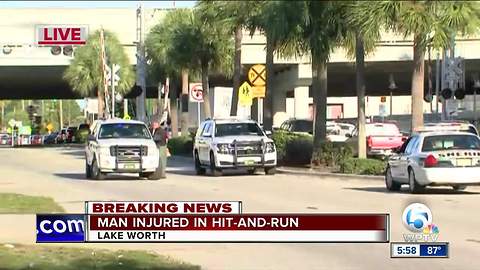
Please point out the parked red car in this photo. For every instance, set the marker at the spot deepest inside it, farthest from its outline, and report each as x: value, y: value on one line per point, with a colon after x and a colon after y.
x: 382, y: 138
x: 36, y: 139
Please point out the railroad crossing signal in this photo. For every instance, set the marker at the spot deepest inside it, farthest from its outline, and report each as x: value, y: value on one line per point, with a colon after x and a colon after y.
x: 115, y: 76
x: 453, y: 79
x: 257, y: 75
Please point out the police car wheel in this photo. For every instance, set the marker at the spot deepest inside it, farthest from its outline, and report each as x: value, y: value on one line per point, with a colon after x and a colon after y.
x: 198, y: 167
x: 88, y: 170
x: 213, y: 167
x: 270, y: 170
x: 96, y: 173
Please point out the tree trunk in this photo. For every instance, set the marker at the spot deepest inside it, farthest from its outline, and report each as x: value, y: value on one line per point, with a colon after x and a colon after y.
x: 60, y: 111
x: 268, y: 102
x: 174, y: 108
x: 3, y: 114
x: 206, y: 94
x: 417, y: 84
x: 319, y: 89
x: 184, y: 98
x: 360, y: 83
x: 237, y: 70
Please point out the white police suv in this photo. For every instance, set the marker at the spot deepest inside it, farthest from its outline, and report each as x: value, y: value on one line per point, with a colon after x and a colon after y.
x: 232, y: 143
x: 121, y: 146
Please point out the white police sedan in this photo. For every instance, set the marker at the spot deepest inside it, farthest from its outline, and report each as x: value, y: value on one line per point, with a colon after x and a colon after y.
x: 435, y: 159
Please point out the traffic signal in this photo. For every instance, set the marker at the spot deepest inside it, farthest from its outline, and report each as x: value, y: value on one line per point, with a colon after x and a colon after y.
x: 31, y: 110
x: 447, y: 93
x: 460, y: 93
x: 38, y: 120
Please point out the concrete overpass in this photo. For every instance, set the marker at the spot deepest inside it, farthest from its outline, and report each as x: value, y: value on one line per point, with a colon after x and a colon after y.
x: 28, y: 71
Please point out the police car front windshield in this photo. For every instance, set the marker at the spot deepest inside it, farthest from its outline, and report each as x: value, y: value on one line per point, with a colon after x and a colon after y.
x: 124, y: 131
x: 237, y: 129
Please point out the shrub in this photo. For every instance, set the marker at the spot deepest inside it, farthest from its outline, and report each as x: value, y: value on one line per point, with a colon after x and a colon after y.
x: 81, y: 135
x: 182, y: 145
x: 299, y: 150
x: 293, y: 148
x: 362, y: 166
x: 331, y: 154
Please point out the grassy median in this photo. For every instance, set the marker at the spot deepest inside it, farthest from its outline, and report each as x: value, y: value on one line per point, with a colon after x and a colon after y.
x: 13, y: 257
x: 12, y: 203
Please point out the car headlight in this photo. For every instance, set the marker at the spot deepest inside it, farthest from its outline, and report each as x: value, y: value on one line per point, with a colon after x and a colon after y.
x: 223, y: 148
x: 270, y: 147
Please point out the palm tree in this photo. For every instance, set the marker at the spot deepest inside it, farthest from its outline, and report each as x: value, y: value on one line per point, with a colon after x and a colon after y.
x: 359, y: 42
x: 170, y: 55
x: 430, y: 23
x: 193, y: 41
x: 84, y: 74
x: 235, y: 15
x: 315, y: 28
x: 267, y: 19
x: 213, y: 50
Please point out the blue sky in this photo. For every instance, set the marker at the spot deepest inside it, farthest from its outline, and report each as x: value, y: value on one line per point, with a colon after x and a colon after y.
x: 94, y: 4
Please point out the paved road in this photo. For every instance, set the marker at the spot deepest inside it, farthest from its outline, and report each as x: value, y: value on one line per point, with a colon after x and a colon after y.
x: 58, y: 172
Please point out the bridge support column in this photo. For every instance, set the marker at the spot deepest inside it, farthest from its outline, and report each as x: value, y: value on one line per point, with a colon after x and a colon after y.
x: 279, y: 107
x: 301, y: 102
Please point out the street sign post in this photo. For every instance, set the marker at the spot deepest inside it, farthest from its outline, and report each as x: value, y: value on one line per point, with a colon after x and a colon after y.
x: 258, y: 91
x: 196, y: 95
x: 112, y: 80
x: 245, y: 94
x: 257, y: 75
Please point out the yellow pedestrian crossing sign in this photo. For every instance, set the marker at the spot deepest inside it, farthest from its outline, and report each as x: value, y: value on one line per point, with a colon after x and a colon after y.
x: 127, y: 117
x: 245, y: 94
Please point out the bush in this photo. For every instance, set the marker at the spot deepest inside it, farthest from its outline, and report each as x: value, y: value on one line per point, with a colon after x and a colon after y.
x: 182, y: 145
x: 293, y: 148
x: 299, y: 150
x: 362, y: 166
x: 331, y: 154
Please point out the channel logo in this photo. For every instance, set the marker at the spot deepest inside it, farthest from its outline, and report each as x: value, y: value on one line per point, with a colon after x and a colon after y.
x: 60, y: 228
x: 416, y: 217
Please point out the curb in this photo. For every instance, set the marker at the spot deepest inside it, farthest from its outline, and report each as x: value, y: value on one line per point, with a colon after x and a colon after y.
x: 311, y: 172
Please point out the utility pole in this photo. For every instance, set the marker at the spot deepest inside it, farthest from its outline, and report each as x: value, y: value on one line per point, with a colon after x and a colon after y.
x: 43, y: 109
x: 61, y: 113
x: 437, y: 84
x: 141, y: 65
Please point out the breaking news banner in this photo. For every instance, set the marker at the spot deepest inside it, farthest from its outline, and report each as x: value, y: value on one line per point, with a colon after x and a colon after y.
x: 163, y: 207
x: 210, y: 221
x: 239, y: 228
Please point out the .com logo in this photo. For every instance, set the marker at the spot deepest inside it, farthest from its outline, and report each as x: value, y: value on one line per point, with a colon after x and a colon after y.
x: 416, y: 217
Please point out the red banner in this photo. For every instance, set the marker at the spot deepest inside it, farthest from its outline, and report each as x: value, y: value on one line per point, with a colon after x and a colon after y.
x: 272, y: 222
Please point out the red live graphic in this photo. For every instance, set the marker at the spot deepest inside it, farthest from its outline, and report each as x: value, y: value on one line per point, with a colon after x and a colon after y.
x: 238, y: 222
x: 61, y: 35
